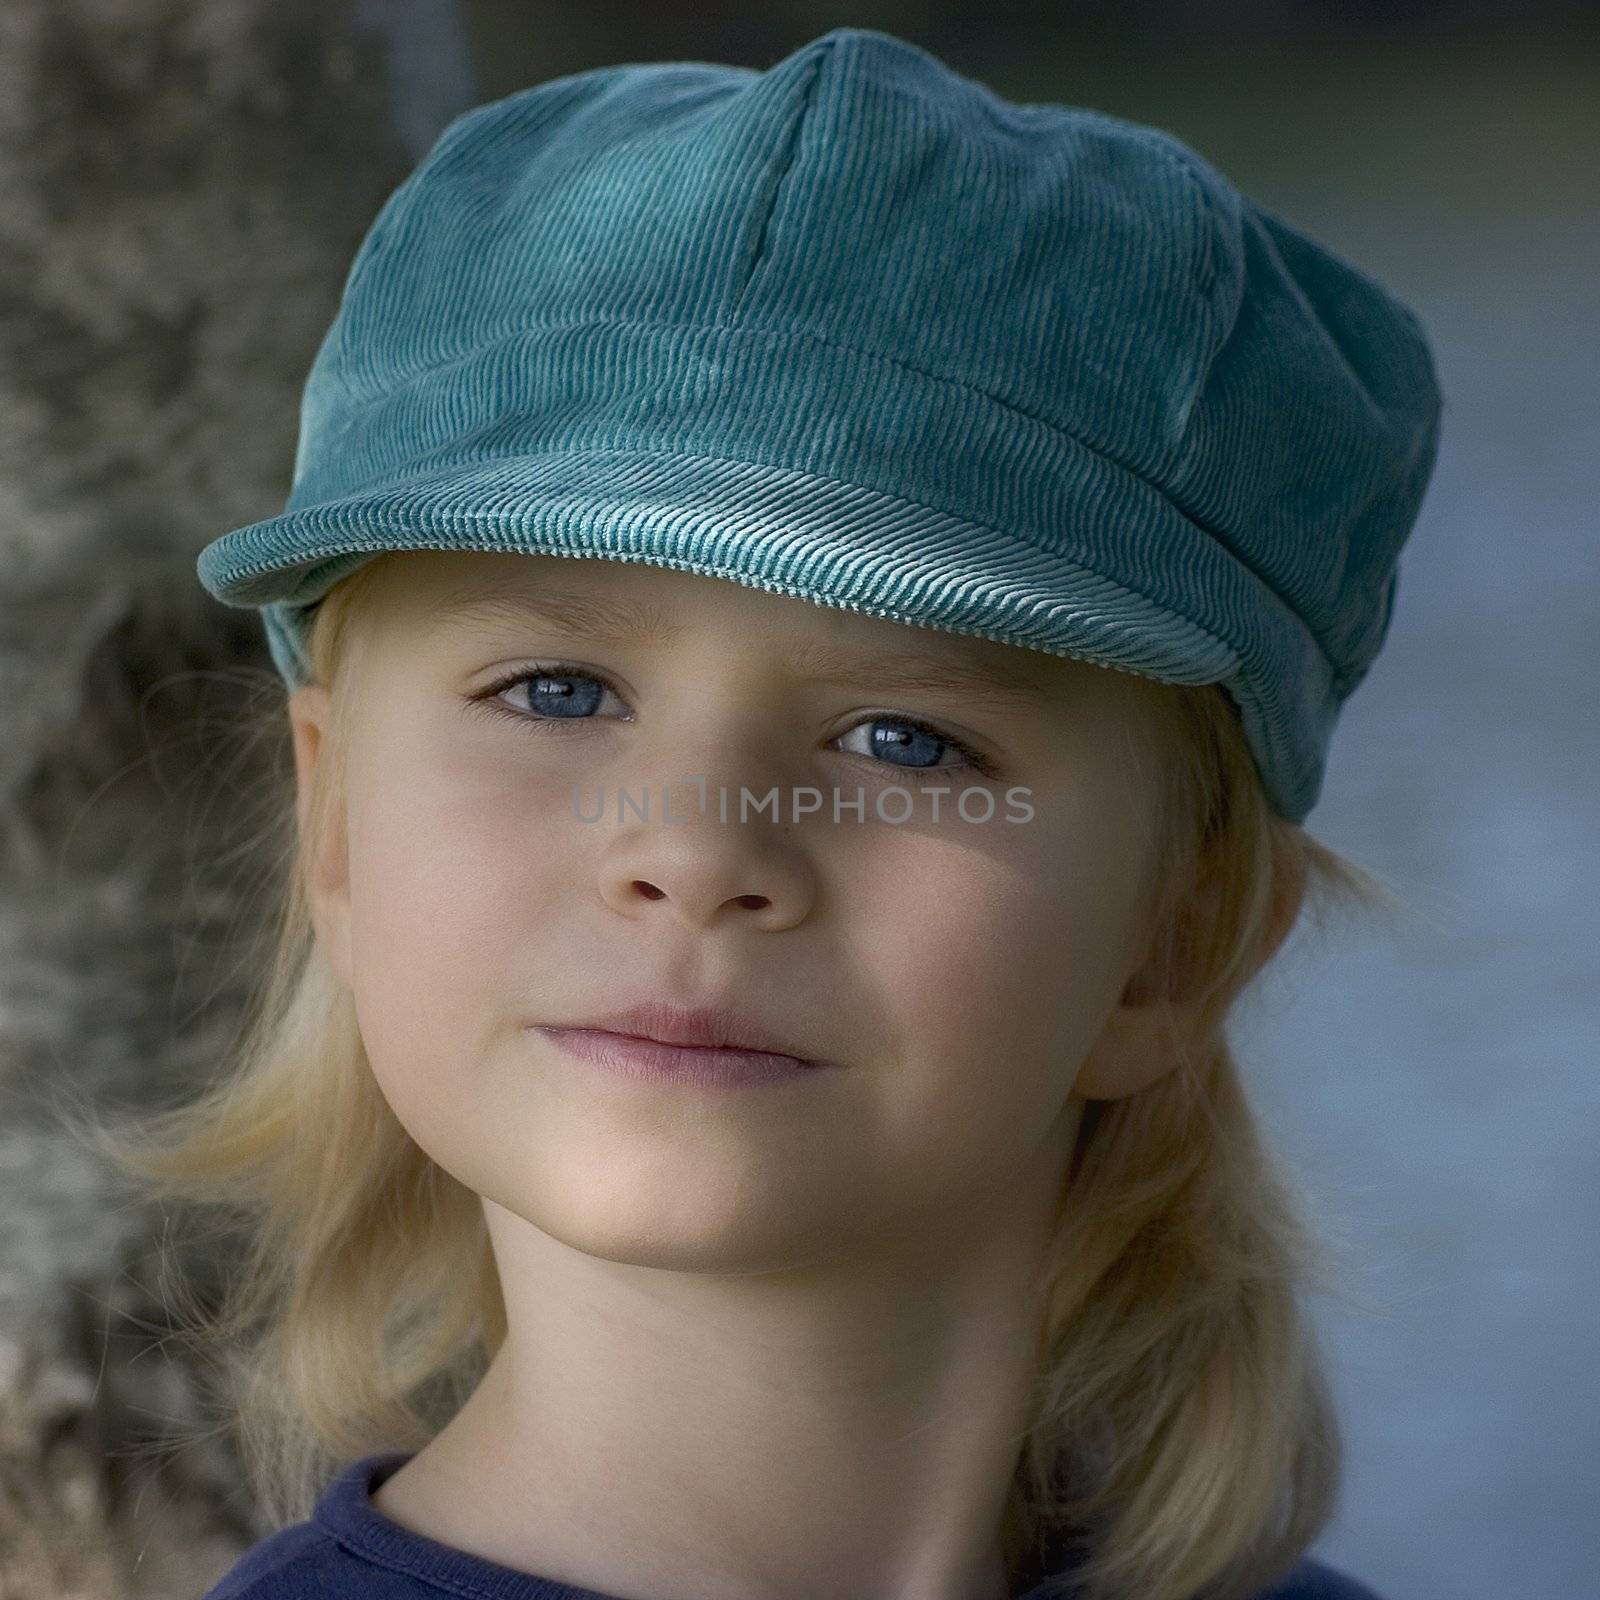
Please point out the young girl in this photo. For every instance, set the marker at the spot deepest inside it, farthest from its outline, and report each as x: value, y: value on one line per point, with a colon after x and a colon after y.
x: 742, y: 1108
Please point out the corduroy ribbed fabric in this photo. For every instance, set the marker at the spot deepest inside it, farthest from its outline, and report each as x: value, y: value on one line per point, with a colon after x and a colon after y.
x: 856, y: 329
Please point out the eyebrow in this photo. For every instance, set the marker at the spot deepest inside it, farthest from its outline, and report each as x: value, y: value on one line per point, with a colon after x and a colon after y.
x: 615, y: 620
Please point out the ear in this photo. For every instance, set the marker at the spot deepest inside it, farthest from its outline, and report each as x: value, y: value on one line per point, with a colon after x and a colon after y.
x: 1136, y: 1047
x: 326, y: 865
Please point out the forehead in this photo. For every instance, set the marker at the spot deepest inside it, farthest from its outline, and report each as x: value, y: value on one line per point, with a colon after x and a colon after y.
x: 467, y: 594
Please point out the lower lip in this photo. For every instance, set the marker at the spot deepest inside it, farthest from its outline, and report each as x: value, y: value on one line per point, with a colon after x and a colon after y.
x: 698, y: 1065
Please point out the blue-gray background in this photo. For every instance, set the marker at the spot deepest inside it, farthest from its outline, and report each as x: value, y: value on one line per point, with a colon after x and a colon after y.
x: 1436, y: 1080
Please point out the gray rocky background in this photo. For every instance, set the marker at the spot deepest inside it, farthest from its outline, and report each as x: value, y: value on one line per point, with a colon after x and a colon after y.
x: 182, y: 184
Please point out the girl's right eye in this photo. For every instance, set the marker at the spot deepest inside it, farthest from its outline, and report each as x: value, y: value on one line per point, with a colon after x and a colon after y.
x: 551, y: 695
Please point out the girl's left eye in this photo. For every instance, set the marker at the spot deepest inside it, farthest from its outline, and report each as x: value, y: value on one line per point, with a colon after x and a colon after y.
x: 554, y: 698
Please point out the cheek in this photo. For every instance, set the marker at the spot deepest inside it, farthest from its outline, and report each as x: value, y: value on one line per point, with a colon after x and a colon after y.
x: 453, y: 893
x: 452, y: 856
x: 1005, y: 961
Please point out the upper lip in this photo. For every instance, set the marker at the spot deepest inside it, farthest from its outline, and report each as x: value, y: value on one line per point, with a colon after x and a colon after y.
x: 714, y: 1027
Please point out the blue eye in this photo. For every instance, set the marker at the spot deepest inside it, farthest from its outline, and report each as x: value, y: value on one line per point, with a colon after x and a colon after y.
x: 555, y: 694
x: 919, y: 740
x: 551, y: 693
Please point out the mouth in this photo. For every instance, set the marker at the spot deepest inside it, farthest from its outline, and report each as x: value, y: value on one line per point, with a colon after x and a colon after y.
x: 706, y: 1051
x: 699, y: 1066
x: 704, y: 1031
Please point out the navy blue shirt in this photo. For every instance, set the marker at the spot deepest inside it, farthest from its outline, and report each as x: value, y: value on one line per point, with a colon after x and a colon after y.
x: 348, y: 1550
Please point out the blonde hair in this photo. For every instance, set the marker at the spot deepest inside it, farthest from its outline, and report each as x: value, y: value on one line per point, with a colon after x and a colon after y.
x: 1183, y: 1441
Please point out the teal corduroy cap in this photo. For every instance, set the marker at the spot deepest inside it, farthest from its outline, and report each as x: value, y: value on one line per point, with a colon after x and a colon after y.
x: 856, y: 329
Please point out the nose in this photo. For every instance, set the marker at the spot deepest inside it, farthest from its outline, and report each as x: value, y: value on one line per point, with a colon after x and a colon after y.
x: 707, y: 871
x: 698, y: 842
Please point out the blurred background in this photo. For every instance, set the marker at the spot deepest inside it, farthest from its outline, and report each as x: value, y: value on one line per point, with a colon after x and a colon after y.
x: 182, y: 186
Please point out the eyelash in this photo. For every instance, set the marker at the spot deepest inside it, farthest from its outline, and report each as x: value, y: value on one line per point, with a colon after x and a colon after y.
x: 488, y: 700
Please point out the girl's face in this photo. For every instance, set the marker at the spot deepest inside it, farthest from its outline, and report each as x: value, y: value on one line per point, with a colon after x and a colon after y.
x: 955, y: 967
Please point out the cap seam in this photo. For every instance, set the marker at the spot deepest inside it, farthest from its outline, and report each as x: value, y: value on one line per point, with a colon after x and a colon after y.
x: 790, y: 155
